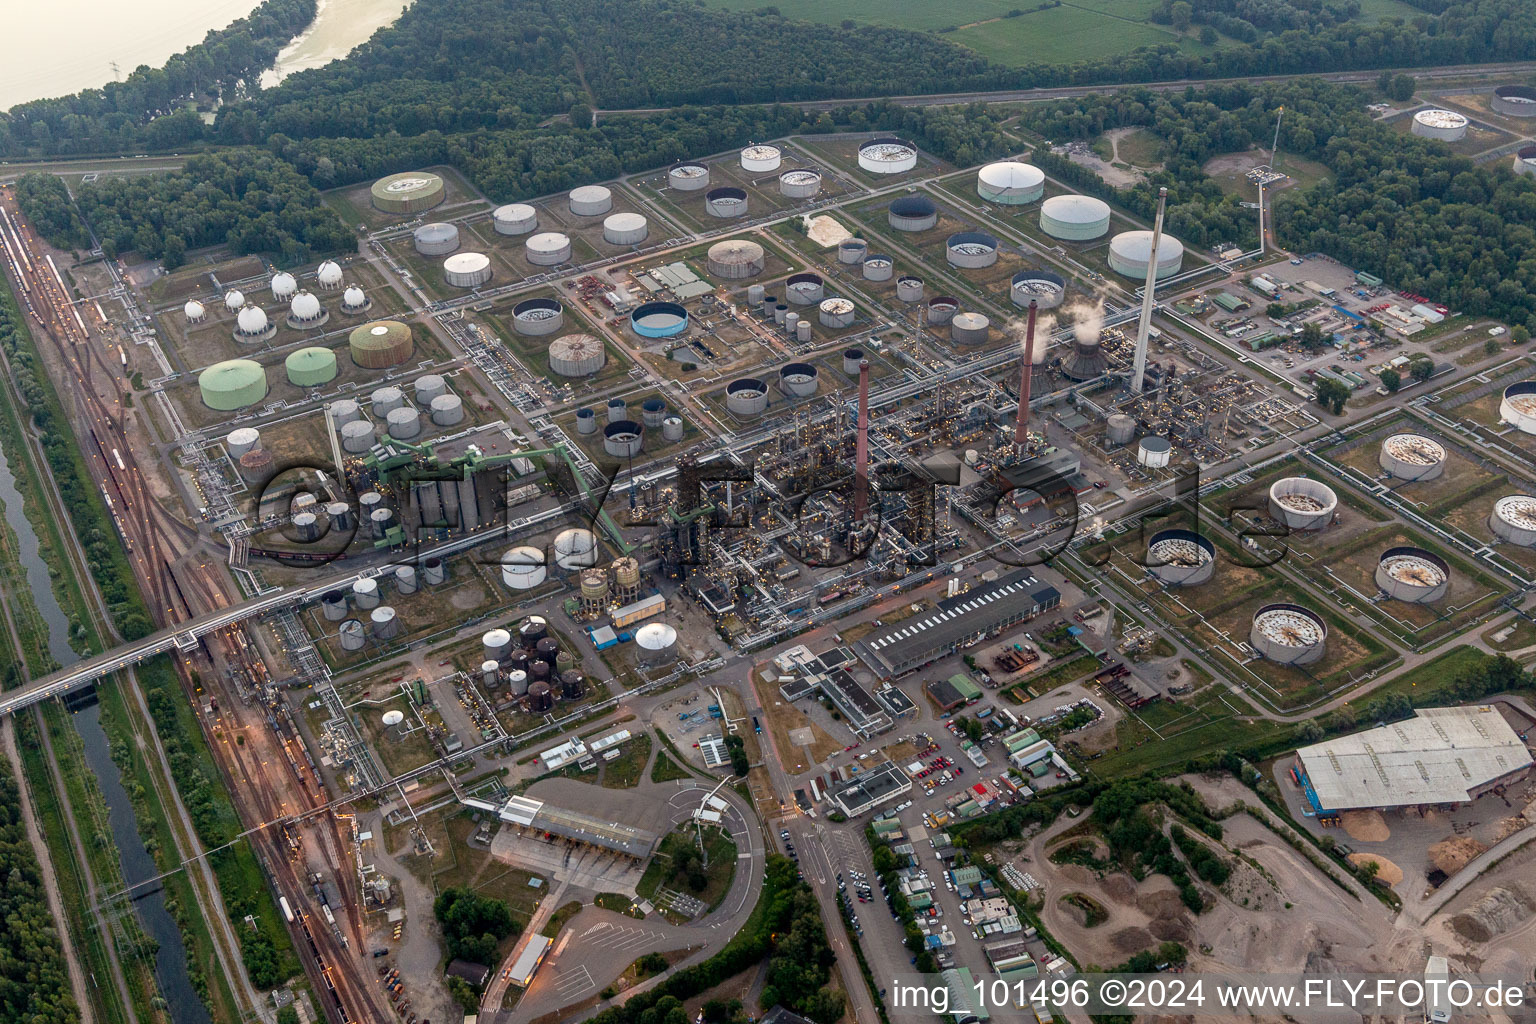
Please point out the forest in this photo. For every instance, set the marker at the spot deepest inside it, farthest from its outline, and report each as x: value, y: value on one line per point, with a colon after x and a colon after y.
x: 34, y: 983
x: 1407, y: 209
x: 456, y: 66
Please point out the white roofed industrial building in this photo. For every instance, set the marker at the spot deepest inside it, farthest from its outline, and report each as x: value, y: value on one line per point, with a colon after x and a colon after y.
x: 1440, y: 756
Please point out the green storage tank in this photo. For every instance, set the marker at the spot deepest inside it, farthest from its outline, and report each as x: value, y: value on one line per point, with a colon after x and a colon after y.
x: 233, y: 384
x: 310, y: 367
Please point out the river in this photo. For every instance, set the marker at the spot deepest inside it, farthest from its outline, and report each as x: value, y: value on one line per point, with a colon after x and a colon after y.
x: 137, y: 864
x: 61, y: 47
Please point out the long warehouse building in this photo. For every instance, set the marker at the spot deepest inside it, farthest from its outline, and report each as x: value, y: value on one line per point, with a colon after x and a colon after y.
x: 957, y: 622
x: 539, y: 816
x: 1439, y: 758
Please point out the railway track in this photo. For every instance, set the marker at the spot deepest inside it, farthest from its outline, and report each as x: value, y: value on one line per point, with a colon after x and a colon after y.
x: 269, y: 788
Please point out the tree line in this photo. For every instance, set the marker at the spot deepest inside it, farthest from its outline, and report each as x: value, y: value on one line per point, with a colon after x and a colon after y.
x: 34, y: 981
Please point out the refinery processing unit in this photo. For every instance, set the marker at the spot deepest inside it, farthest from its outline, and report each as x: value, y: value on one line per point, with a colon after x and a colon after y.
x: 515, y: 530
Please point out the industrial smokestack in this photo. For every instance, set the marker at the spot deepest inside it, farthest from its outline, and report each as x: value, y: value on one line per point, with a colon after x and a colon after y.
x: 861, y: 451
x: 1026, y: 371
x: 1138, y: 375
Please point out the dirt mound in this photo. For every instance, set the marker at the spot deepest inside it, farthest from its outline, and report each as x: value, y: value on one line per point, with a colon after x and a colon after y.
x: 1451, y: 855
x: 1131, y: 940
x: 1166, y: 929
x: 1076, y: 873
x: 1164, y: 903
x: 1366, y: 826
x: 1500, y: 909
x: 1385, y: 869
x: 1121, y: 889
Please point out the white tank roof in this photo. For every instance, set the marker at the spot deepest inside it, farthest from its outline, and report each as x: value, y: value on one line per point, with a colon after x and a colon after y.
x: 590, y: 194
x: 354, y: 296
x: 252, y: 320
x: 234, y: 299
x: 193, y: 309
x: 1075, y: 209
x: 655, y: 636
x: 1011, y: 175
x: 283, y: 284
x: 548, y: 241
x: 329, y: 273
x: 466, y: 262
x: 1441, y: 119
x: 1137, y: 245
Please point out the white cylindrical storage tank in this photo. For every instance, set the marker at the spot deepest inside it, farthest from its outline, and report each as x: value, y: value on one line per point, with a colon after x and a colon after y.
x: 1130, y: 251
x: 514, y: 219
x: 803, y: 331
x: 333, y: 605
x: 576, y: 549
x: 652, y: 412
x: 1181, y: 558
x: 429, y: 386
x: 467, y: 269
x: 1514, y: 101
x: 434, y: 570
x: 496, y: 644
x: 798, y: 380
x: 356, y: 437
x: 852, y: 251
x: 791, y: 322
x: 836, y: 313
x: 656, y: 644
x: 623, y: 439
x: 1288, y: 634
x: 385, y: 623
x: 1302, y: 503
x: 734, y: 259
x: 971, y: 249
x: 522, y: 568
x: 351, y: 635
x: 367, y: 502
x: 365, y: 593
x: 852, y: 358
x: 548, y: 249
x: 1413, y: 575
x: 435, y: 239
x: 194, y: 311
x: 1412, y: 457
x: 403, y: 424
x: 747, y: 396
x: 386, y: 400
x: 760, y: 158
x: 618, y: 409
x: 577, y: 355
x: 688, y: 177
x: 1514, y: 519
x: 306, y: 526
x: 912, y: 213
x: 804, y: 289
x: 242, y: 440
x: 380, y: 520
x: 1444, y: 125
x: 887, y: 155
x: 728, y: 201
x: 340, y: 515
x: 1045, y: 288
x: 1154, y: 452
x: 517, y: 682
x: 405, y: 580
x: 672, y: 428
x: 345, y: 411
x: 942, y: 309
x: 878, y: 267
x: 780, y: 313
x: 624, y: 229
x: 799, y: 183
x: 1074, y: 218
x: 1518, y: 406
x: 586, y: 421
x: 537, y: 317
x: 1010, y: 183
x: 909, y: 289
x: 591, y: 201
x: 490, y: 674
x: 1121, y: 429
x: 1525, y: 160
x: 447, y: 410
x: 969, y: 328
x: 755, y: 293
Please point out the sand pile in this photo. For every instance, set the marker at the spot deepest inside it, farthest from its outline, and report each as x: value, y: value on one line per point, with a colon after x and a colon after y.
x: 1451, y: 855
x: 1166, y: 929
x: 1386, y: 870
x: 1121, y: 889
x: 1502, y: 908
x: 1132, y: 940
x: 1365, y: 826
